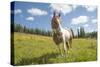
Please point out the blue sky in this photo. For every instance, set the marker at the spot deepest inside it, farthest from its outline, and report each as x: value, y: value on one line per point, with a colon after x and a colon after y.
x: 39, y: 15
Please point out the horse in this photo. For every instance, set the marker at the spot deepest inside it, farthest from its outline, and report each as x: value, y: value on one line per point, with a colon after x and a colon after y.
x: 60, y: 34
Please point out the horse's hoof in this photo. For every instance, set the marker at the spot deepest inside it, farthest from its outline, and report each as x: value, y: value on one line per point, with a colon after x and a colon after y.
x: 60, y: 56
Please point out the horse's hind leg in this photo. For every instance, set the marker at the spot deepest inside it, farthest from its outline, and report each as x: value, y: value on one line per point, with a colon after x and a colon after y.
x: 70, y: 43
x: 67, y: 45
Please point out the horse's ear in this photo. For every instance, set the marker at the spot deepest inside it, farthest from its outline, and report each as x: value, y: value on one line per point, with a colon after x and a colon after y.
x: 54, y: 13
x: 59, y: 14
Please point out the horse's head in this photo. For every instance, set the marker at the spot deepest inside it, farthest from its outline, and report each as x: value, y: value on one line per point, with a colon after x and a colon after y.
x: 56, y: 20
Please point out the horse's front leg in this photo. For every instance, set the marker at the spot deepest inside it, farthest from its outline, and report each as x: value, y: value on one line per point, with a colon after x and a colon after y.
x: 60, y: 52
x: 65, y: 47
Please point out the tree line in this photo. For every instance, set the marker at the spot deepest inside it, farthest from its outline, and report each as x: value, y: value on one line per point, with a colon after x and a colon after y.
x: 24, y: 29
x: 80, y: 32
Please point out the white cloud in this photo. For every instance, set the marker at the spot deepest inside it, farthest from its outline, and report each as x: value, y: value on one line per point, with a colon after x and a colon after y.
x: 78, y: 27
x: 94, y: 20
x: 89, y: 29
x: 17, y: 11
x: 75, y: 6
x: 36, y: 12
x: 62, y: 7
x: 90, y: 8
x: 80, y: 19
x: 30, y: 18
x: 86, y: 25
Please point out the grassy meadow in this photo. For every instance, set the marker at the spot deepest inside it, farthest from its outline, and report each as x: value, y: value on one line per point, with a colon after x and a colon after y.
x: 37, y: 49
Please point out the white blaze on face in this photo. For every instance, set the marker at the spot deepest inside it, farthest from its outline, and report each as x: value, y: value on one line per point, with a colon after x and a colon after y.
x: 58, y: 20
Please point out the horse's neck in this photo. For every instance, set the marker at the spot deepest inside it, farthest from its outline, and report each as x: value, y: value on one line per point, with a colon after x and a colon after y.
x: 57, y: 30
x: 60, y: 27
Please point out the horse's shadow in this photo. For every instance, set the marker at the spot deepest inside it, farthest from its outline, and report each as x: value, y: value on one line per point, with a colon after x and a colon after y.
x: 38, y: 60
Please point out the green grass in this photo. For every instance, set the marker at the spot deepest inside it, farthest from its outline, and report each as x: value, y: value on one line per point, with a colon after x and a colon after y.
x: 36, y: 49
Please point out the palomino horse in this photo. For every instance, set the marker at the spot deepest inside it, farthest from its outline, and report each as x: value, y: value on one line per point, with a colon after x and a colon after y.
x: 60, y: 34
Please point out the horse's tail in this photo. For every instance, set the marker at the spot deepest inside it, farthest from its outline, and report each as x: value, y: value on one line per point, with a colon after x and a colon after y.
x: 72, y: 33
x: 72, y: 36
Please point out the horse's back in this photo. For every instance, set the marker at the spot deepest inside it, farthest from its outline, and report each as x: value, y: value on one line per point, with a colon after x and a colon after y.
x: 68, y: 33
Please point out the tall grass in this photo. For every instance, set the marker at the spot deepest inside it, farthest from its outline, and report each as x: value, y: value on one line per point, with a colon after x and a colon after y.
x: 36, y: 49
